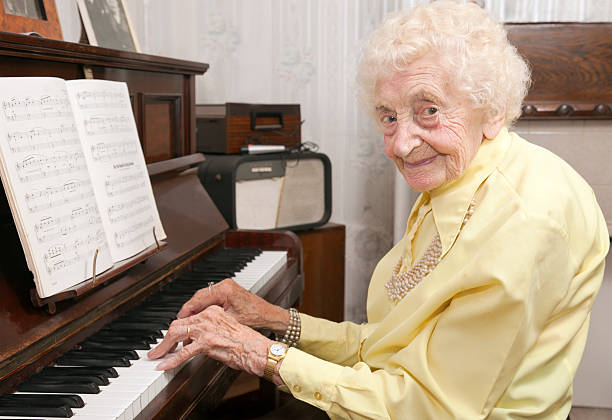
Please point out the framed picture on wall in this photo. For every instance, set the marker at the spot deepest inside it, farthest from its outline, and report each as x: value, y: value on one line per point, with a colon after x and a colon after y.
x: 37, y: 17
x: 107, y: 24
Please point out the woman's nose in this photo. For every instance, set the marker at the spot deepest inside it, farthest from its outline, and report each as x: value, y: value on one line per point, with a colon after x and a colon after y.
x: 406, y: 140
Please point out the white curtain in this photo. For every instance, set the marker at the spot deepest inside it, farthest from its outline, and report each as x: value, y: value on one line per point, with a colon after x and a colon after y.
x: 305, y: 51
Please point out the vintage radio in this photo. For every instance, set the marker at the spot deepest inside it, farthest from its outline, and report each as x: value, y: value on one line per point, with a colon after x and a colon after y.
x: 279, y: 190
x: 228, y: 127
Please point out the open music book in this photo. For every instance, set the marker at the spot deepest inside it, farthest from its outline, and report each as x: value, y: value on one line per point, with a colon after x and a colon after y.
x: 75, y: 177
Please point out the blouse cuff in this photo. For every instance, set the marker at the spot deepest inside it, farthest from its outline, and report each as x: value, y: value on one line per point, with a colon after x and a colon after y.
x: 310, y: 379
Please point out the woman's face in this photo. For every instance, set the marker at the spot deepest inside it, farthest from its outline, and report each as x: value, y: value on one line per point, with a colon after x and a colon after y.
x: 430, y: 131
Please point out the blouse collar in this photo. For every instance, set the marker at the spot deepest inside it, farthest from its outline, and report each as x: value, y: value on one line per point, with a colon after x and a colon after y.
x: 451, y: 201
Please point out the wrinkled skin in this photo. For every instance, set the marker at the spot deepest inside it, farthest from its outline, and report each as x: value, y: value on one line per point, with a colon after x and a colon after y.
x: 431, y: 132
x: 221, y: 321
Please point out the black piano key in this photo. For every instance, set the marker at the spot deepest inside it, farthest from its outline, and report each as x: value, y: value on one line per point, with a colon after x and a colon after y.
x: 118, y: 345
x: 63, y: 411
x: 44, y: 400
x: 71, y: 388
x: 145, y: 313
x: 152, y: 318
x: 108, y: 335
x: 65, y: 379
x: 81, y: 370
x: 89, y: 362
x: 152, y: 333
x: 107, y: 354
x: 138, y: 326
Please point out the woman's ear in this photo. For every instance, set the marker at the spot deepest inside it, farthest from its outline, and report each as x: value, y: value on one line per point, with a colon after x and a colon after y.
x: 492, y: 125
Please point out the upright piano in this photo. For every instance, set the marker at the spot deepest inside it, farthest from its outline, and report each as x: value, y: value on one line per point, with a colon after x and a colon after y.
x: 90, y: 328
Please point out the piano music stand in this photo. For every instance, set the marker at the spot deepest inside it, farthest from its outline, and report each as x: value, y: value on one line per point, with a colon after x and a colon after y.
x: 95, y: 281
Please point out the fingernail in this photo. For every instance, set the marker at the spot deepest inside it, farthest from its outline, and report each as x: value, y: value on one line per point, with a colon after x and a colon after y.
x: 162, y: 366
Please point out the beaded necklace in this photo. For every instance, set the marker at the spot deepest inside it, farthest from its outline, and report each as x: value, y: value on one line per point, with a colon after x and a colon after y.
x: 401, y: 283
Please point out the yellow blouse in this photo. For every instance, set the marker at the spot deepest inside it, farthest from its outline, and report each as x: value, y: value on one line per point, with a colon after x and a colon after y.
x: 497, y: 329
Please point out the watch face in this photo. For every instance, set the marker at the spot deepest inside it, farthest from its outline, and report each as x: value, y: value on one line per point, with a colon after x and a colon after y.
x: 278, y: 349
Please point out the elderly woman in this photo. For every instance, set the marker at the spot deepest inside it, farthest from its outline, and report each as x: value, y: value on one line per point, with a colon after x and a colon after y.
x: 482, y: 309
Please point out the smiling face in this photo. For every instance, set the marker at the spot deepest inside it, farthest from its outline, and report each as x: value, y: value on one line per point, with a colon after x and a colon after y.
x: 430, y: 131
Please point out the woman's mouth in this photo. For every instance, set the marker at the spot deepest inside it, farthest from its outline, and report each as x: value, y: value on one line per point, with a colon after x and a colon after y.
x: 418, y: 163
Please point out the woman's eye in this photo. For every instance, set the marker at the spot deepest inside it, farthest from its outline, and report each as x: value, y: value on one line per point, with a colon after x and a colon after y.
x: 388, y: 119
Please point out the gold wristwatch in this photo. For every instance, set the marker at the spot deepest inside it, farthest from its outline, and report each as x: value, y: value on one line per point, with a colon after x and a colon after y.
x: 276, y: 353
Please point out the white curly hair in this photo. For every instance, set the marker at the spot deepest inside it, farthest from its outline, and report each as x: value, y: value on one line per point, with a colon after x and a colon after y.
x: 485, y: 66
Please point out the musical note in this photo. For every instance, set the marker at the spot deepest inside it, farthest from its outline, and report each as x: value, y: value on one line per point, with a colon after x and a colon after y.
x: 56, y: 196
x: 122, y: 184
x: 39, y: 138
x: 107, y: 125
x: 62, y: 256
x: 51, y: 228
x: 108, y: 151
x: 35, y: 108
x: 134, y: 232
x: 100, y: 99
x: 37, y: 167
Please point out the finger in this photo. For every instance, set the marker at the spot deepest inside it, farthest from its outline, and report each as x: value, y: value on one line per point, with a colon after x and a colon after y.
x: 201, y: 300
x: 180, y: 357
x: 177, y: 332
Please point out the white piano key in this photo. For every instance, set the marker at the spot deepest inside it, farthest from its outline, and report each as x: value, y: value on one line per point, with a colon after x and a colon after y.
x: 257, y: 272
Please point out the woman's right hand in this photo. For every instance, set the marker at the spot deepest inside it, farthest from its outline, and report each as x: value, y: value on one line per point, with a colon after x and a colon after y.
x: 246, y: 307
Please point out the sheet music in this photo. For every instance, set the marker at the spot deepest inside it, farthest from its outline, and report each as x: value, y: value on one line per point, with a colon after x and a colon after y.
x: 48, y: 185
x: 112, y: 149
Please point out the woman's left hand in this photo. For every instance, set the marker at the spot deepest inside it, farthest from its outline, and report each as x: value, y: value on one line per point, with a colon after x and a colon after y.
x: 217, y: 334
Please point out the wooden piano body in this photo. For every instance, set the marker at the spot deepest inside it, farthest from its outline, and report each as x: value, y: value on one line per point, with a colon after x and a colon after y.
x: 162, y: 92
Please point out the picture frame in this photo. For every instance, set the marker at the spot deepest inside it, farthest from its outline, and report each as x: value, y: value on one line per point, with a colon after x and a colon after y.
x: 107, y: 24
x: 32, y: 17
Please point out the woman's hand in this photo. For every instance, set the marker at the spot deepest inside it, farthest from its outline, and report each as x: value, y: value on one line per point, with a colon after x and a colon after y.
x: 218, y: 335
x: 246, y: 307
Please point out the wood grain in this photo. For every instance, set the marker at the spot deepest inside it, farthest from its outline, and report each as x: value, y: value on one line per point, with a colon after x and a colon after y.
x: 571, y: 69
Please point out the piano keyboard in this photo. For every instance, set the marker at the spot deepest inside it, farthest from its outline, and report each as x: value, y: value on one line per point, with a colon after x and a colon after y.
x: 109, y: 375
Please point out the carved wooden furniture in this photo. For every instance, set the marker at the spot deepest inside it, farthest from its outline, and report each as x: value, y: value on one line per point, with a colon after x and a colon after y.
x: 571, y: 66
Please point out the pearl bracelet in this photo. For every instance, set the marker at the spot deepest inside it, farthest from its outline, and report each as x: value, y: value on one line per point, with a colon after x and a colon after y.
x: 294, y: 329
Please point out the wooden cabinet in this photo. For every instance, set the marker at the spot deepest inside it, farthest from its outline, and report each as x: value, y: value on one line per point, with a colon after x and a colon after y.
x: 323, y: 251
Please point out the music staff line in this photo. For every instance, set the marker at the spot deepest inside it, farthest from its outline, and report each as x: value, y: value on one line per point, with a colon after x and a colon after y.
x: 48, y: 228
x: 117, y: 208
x: 128, y: 215
x: 108, y: 151
x: 107, y: 125
x: 62, y: 256
x: 100, y: 99
x: 30, y: 108
x: 42, y: 138
x: 113, y: 192
x: 127, y: 236
x: 36, y: 167
x: 53, y: 197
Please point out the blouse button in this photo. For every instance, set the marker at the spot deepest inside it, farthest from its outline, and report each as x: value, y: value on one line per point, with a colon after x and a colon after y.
x: 297, y: 388
x: 318, y: 395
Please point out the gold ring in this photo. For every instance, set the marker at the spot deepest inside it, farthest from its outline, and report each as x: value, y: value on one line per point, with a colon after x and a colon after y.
x: 188, y: 328
x: 210, y: 285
